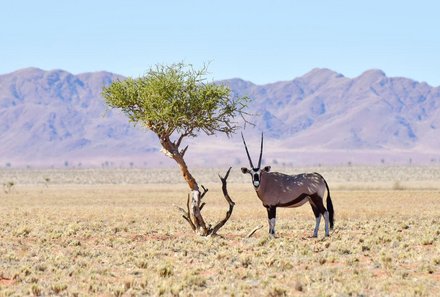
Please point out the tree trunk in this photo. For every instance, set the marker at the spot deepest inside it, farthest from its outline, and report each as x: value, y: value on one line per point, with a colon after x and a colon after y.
x: 194, y: 203
x: 196, y: 197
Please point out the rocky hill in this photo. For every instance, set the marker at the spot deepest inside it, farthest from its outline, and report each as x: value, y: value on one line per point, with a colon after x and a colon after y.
x: 55, y: 118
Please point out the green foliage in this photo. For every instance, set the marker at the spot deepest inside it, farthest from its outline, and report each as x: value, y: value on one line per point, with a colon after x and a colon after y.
x: 176, y: 98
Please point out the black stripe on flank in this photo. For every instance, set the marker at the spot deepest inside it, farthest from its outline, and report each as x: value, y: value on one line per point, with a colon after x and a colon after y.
x: 294, y: 201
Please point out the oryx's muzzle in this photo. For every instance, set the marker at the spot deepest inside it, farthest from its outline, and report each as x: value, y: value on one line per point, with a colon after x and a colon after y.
x: 256, y: 179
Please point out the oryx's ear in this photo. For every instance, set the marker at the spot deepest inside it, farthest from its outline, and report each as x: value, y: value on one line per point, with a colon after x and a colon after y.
x: 244, y: 170
x: 267, y: 168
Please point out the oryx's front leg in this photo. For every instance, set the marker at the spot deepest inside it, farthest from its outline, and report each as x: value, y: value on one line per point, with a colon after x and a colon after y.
x: 271, y: 214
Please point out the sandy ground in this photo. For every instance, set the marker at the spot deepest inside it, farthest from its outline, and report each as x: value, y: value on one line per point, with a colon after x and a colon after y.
x: 128, y: 239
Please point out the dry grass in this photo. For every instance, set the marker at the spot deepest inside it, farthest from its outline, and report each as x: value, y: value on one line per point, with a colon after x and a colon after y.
x: 122, y: 240
x: 341, y: 177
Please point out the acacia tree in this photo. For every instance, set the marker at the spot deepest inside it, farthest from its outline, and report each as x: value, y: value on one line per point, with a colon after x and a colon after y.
x: 175, y: 102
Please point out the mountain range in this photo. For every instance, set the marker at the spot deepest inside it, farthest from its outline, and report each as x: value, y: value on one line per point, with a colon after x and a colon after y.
x: 56, y: 118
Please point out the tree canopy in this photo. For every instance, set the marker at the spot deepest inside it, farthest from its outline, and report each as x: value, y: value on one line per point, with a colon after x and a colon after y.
x: 177, y: 98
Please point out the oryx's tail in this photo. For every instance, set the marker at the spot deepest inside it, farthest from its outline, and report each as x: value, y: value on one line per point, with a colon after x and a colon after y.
x: 331, y: 211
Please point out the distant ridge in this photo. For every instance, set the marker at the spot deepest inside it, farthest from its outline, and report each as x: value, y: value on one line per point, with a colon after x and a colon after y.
x: 55, y: 118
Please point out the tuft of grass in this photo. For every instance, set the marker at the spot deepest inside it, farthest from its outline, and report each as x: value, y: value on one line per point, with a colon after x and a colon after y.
x: 246, y: 261
x: 166, y: 271
x: 277, y: 292
x: 427, y: 241
x: 58, y: 288
x: 22, y: 231
x: 195, y: 281
x: 118, y: 292
x: 142, y: 264
x: 8, y: 187
x: 365, y: 248
x: 36, y: 290
x: 397, y: 186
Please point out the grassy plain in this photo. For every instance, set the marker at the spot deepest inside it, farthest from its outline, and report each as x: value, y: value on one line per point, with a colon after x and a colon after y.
x: 116, y: 233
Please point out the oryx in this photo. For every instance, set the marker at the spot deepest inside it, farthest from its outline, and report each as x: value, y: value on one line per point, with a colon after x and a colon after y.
x: 281, y: 190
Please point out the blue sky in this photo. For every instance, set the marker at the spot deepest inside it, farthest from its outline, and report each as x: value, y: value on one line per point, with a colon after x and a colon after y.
x: 260, y: 41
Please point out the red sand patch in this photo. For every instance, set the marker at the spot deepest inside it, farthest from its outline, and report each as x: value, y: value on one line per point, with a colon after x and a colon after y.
x: 6, y: 281
x: 436, y: 276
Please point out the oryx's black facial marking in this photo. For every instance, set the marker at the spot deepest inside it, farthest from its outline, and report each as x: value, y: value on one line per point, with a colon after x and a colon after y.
x: 281, y: 190
x: 255, y: 174
x: 256, y: 177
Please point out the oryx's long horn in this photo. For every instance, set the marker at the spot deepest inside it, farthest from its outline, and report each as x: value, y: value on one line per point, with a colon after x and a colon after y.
x: 247, y: 152
x: 261, y: 151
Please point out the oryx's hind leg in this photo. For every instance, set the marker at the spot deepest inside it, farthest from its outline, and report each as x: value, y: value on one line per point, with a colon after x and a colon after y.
x: 317, y: 202
x: 318, y: 220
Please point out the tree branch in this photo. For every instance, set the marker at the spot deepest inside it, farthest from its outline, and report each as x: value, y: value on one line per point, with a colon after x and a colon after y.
x: 179, y: 140
x: 205, y: 190
x: 187, y: 132
x: 242, y: 115
x: 181, y: 209
x: 253, y: 231
x: 190, y: 223
x: 228, y: 199
x: 186, y: 215
x: 182, y: 152
x: 193, y: 227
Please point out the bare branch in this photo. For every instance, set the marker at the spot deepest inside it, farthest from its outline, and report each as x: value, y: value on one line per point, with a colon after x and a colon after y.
x: 224, y: 189
x: 205, y: 190
x: 223, y: 179
x: 187, y: 132
x: 201, y: 206
x: 181, y: 209
x: 245, y: 120
x: 182, y: 152
x: 253, y: 231
x: 190, y: 223
x: 228, y: 199
x: 179, y: 141
x: 186, y: 216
